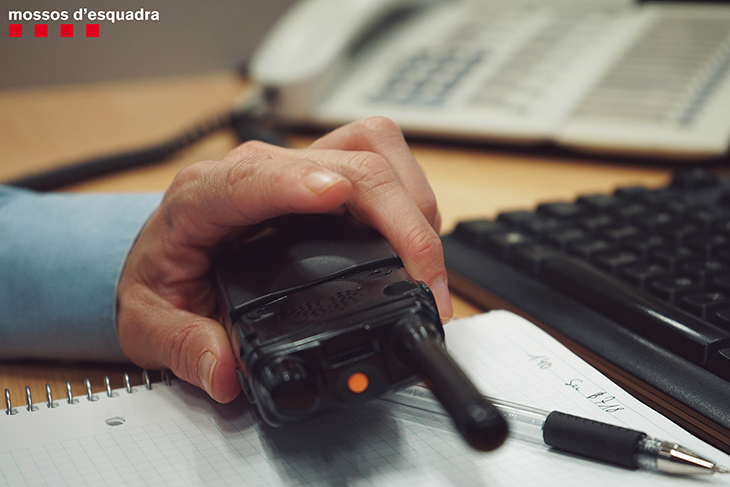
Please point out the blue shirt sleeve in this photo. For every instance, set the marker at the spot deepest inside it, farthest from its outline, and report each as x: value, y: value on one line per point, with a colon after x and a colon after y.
x: 61, y: 256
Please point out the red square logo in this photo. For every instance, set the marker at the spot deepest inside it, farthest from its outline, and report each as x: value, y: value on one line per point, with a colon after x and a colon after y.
x: 92, y: 30
x: 16, y: 30
x: 67, y: 30
x: 41, y: 30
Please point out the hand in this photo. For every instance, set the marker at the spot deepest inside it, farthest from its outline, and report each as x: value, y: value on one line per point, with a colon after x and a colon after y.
x: 167, y: 301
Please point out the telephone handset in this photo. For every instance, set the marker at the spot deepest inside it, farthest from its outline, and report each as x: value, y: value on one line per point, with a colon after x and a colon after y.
x: 311, y: 45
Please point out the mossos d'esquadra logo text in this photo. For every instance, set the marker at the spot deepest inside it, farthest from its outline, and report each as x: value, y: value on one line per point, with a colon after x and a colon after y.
x: 82, y: 14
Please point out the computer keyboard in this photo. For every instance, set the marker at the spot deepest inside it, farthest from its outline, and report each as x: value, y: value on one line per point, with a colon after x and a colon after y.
x: 638, y: 280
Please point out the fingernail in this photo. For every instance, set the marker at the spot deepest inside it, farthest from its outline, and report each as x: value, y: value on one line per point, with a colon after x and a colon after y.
x: 320, y: 181
x: 206, y: 366
x: 440, y: 290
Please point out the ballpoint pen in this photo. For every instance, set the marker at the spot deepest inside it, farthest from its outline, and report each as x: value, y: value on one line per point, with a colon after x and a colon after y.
x: 580, y: 436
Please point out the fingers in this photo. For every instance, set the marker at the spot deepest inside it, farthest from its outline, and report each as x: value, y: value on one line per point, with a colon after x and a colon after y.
x: 207, y: 200
x: 382, y: 136
x: 378, y: 135
x: 196, y: 349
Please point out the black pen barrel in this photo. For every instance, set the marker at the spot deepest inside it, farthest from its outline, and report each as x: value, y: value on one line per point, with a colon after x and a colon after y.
x: 592, y: 439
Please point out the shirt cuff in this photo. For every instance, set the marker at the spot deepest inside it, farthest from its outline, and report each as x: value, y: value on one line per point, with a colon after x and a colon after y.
x: 61, y: 257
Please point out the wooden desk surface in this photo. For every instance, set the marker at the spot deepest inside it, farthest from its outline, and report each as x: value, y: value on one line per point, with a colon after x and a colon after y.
x: 44, y: 127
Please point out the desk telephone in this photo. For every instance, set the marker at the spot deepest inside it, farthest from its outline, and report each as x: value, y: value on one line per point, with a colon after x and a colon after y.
x: 612, y: 76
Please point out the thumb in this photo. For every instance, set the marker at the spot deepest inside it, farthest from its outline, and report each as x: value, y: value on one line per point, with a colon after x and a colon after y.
x: 195, y: 348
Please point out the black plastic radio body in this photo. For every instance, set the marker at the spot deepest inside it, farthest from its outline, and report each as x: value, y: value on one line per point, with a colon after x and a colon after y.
x: 313, y: 308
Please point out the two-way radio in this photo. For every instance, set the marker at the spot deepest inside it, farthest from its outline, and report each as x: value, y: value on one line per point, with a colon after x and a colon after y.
x: 322, y: 314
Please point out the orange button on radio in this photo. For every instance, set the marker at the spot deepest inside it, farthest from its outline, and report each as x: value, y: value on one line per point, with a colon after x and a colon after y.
x: 358, y: 382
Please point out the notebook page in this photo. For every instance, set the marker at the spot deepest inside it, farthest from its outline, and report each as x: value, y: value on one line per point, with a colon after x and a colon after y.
x: 174, y: 435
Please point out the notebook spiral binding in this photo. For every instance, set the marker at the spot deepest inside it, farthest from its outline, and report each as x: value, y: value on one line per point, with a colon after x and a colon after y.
x: 90, y: 396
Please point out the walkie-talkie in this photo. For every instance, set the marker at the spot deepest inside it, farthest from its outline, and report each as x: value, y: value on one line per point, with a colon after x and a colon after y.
x: 322, y: 314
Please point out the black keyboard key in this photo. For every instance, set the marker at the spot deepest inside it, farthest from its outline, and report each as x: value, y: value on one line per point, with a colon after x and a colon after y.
x: 632, y: 192
x: 656, y: 222
x: 679, y: 234
x: 649, y: 316
x: 723, y: 255
x: 643, y: 246
x: 724, y: 199
x: 588, y: 249
x: 621, y: 233
x: 640, y: 275
x: 503, y: 244
x: 517, y: 218
x: 657, y: 198
x: 599, y: 203
x: 704, y: 269
x: 561, y: 210
x: 721, y: 282
x: 703, y: 304
x: 704, y: 218
x: 670, y: 288
x: 722, y: 225
x: 563, y: 238
x: 708, y: 245
x: 677, y: 206
x: 630, y: 211
x: 692, y: 179
x: 593, y: 224
x: 673, y: 257
x: 613, y: 261
x: 530, y: 257
x: 543, y: 225
x: 476, y: 231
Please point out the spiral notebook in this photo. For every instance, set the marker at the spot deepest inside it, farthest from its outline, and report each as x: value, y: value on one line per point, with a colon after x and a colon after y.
x: 174, y: 435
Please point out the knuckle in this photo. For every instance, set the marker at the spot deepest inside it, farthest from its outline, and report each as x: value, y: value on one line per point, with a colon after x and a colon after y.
x: 238, y: 172
x: 252, y: 173
x: 185, y: 186
x: 427, y: 204
x: 370, y: 166
x: 372, y: 174
x: 252, y: 147
x: 188, y: 175
x: 424, y: 244
x: 177, y: 345
x: 248, y: 148
x: 245, y: 168
x: 380, y: 126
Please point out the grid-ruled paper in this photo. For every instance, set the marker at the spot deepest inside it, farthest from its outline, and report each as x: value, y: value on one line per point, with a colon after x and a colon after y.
x: 174, y: 435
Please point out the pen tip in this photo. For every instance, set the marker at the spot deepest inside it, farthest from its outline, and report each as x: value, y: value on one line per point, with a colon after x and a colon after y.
x: 719, y: 469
